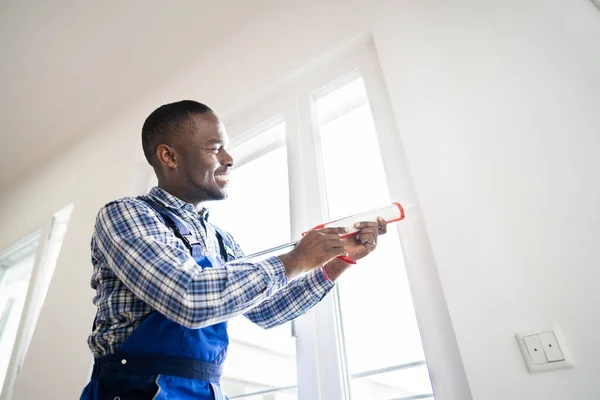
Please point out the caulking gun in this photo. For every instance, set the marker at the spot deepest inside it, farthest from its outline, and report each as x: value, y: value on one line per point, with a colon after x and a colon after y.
x: 391, y: 213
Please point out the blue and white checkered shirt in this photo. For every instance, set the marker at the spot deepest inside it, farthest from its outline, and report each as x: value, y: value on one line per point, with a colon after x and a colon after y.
x: 140, y: 266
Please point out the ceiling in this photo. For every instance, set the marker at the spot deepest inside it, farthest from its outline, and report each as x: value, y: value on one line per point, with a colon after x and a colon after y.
x: 65, y: 65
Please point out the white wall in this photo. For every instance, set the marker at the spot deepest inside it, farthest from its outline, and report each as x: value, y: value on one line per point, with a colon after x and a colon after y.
x: 498, y: 107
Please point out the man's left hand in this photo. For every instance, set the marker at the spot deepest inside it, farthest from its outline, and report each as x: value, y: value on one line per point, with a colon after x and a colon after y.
x: 358, y: 246
x: 365, y: 241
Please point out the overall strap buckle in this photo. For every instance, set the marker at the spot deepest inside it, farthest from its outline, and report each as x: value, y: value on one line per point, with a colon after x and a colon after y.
x: 179, y: 228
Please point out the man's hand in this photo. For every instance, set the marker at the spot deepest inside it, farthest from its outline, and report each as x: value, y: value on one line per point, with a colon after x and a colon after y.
x: 365, y: 241
x: 315, y: 249
x: 358, y: 246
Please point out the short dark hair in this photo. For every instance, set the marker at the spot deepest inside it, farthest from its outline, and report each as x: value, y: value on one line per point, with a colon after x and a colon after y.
x: 167, y: 121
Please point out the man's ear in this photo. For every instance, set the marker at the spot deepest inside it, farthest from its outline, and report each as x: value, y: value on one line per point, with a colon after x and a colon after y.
x: 166, y: 156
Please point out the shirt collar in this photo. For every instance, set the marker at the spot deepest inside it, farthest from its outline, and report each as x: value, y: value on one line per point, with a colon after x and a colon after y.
x: 167, y: 200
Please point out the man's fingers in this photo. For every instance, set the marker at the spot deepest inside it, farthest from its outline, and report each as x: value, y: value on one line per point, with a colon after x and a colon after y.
x: 369, y: 241
x: 337, y: 231
x: 337, y: 251
x: 335, y: 245
x: 372, y: 230
x: 381, y: 225
x: 367, y: 237
x: 363, y: 225
x: 333, y: 236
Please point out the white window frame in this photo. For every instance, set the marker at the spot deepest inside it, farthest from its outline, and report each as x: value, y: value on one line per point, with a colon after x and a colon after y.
x: 321, y: 366
x: 41, y: 275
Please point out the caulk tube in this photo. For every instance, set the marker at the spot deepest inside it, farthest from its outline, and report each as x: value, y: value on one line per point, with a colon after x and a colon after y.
x: 391, y: 213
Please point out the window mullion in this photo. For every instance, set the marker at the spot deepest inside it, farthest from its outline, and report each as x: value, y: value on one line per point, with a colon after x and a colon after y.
x: 328, y: 356
x: 306, y: 335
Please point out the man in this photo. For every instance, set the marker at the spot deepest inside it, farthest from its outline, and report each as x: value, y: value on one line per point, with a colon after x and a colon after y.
x: 167, y: 280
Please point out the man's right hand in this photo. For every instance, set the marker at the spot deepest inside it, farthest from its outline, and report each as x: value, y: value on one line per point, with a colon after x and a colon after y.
x: 316, y: 248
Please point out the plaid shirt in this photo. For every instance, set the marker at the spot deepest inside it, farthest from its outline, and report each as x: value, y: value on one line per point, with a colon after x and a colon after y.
x: 140, y: 266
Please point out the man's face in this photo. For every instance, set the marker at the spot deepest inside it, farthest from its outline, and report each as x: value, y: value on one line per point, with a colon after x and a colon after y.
x: 204, y: 164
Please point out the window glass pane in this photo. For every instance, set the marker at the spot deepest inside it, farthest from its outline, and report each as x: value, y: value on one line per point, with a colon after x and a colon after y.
x: 257, y: 214
x: 16, y: 265
x: 282, y: 394
x: 411, y: 383
x: 379, y: 326
x: 16, y: 268
x: 256, y: 211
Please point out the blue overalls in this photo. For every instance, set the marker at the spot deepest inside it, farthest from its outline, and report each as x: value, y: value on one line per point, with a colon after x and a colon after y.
x: 163, y: 359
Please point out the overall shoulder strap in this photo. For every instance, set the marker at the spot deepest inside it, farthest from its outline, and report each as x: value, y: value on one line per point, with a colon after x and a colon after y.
x: 226, y: 244
x: 179, y: 228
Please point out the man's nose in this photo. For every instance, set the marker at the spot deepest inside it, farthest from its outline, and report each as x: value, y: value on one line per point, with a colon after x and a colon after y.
x: 226, y: 158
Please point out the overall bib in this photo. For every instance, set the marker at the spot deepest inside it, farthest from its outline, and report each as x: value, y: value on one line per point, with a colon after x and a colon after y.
x: 162, y: 359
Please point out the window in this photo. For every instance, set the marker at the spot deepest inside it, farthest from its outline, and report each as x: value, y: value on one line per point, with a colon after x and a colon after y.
x: 324, y: 147
x: 381, y: 341
x: 16, y: 265
x: 261, y: 364
x: 381, y: 351
x: 24, y: 283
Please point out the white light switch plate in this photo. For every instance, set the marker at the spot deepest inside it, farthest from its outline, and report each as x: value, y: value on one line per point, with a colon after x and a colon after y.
x: 544, y: 350
x: 535, y: 349
x: 551, y: 347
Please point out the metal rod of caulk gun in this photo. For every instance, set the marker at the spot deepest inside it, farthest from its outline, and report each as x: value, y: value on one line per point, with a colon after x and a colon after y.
x: 267, y: 251
x: 391, y: 213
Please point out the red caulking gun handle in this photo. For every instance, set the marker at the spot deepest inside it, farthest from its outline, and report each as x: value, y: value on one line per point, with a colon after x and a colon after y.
x: 346, y: 259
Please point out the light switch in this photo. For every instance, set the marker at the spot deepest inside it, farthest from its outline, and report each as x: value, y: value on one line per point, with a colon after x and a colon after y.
x: 544, y: 350
x: 535, y: 349
x: 551, y: 347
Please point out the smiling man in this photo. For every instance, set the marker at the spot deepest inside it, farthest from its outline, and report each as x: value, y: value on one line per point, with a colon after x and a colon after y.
x: 166, y: 279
